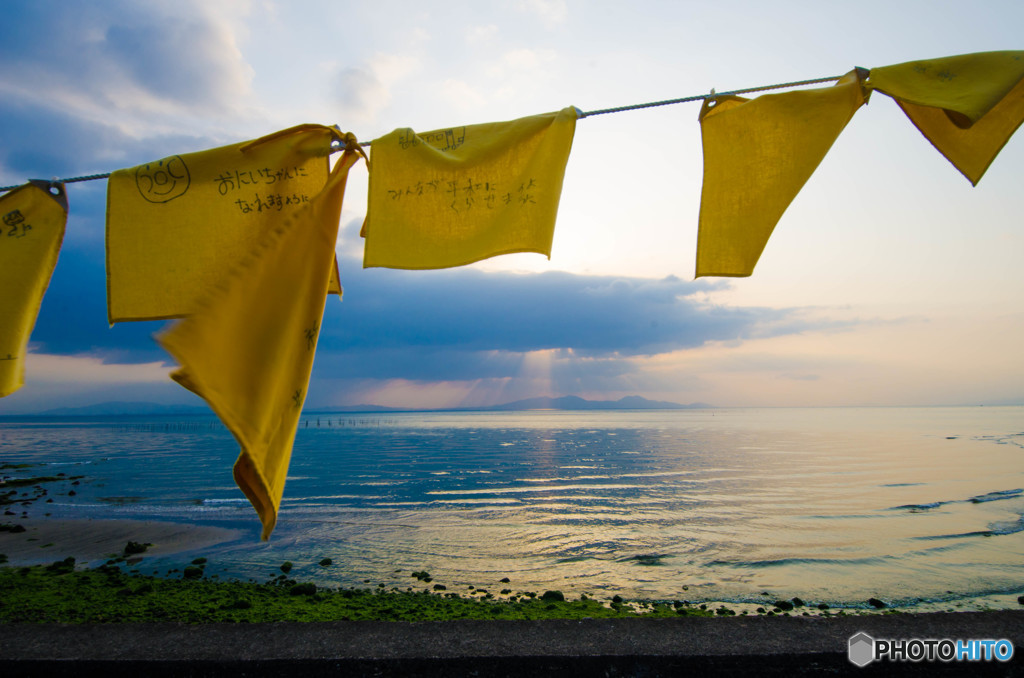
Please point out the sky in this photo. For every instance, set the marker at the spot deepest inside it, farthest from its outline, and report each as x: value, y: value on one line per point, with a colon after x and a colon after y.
x: 889, y: 281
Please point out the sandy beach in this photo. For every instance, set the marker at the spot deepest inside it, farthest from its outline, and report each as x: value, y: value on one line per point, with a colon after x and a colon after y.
x: 45, y: 541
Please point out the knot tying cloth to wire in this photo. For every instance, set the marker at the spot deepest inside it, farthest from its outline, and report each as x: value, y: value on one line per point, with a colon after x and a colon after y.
x: 348, y: 142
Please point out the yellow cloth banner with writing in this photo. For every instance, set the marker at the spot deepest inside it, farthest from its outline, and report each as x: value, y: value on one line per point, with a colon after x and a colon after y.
x: 175, y: 225
x: 454, y: 196
x: 248, y: 347
x: 967, y: 106
x: 758, y: 154
x: 33, y: 218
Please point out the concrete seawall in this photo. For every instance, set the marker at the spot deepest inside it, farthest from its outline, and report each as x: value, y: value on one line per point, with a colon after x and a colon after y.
x: 627, y: 647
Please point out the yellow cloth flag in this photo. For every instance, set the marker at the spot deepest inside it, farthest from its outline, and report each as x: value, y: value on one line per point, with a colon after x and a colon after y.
x: 758, y: 154
x: 31, y: 234
x: 248, y: 347
x: 175, y: 225
x: 454, y: 196
x: 967, y: 106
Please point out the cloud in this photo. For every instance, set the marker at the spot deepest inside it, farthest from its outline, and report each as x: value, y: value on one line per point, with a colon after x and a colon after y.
x: 498, y: 336
x: 73, y: 317
x: 190, y: 61
x: 481, y: 34
x: 363, y: 91
x: 58, y: 369
x: 360, y: 93
x: 799, y: 365
x: 549, y: 12
x: 400, y: 393
x: 464, y: 96
x: 136, y: 66
x: 524, y: 60
x: 58, y: 143
x: 470, y: 310
x: 74, y: 381
x: 459, y: 324
x: 482, y: 377
x: 800, y: 377
x: 520, y: 72
x: 416, y: 364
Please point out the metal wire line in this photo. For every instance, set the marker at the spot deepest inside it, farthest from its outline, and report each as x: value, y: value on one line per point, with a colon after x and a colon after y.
x: 699, y: 97
x: 582, y: 114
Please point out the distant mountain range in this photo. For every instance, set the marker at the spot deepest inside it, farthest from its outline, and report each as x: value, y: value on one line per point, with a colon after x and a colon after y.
x: 122, y: 407
x: 543, y: 403
x: 577, y: 403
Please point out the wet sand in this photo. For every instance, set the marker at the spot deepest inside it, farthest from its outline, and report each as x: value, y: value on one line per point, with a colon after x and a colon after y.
x: 88, y: 541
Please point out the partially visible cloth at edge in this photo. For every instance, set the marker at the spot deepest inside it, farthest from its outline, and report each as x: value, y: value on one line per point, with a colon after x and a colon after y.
x: 967, y: 106
x: 758, y: 154
x: 454, y: 196
x: 33, y: 219
x: 248, y: 347
x: 175, y: 225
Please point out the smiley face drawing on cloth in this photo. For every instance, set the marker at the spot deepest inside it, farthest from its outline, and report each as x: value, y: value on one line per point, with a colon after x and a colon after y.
x: 164, y: 180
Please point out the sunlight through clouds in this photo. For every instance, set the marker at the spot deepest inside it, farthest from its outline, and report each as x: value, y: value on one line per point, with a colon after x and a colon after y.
x: 404, y: 393
x: 536, y: 371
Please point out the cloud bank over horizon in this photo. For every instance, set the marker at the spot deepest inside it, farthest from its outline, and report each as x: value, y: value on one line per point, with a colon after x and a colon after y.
x: 455, y: 325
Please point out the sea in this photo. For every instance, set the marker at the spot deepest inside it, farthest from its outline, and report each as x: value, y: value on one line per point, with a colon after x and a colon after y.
x: 916, y: 507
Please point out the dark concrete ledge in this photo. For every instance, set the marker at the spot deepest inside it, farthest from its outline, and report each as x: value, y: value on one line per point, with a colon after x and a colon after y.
x: 626, y: 647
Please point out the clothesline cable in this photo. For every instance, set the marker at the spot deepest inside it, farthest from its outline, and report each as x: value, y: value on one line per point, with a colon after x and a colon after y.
x: 581, y: 115
x: 700, y: 97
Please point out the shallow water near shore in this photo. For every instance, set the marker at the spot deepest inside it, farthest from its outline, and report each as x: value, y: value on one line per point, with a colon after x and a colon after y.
x: 914, y: 506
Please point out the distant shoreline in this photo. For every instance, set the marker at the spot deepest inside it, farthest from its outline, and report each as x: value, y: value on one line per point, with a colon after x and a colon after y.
x: 564, y: 403
x: 167, y: 411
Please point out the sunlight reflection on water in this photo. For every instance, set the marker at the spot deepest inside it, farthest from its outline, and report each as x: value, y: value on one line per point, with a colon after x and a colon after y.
x: 828, y: 504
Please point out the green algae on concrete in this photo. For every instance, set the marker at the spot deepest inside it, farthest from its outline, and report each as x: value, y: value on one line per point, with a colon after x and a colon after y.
x: 61, y: 594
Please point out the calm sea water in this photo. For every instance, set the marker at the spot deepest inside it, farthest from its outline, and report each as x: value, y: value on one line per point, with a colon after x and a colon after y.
x: 833, y: 505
